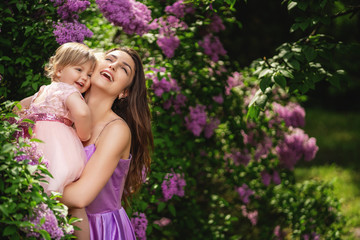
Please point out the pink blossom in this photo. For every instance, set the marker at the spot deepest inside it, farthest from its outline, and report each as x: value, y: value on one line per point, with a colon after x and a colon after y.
x: 216, y: 24
x: 163, y: 222
x: 179, y: 9
x: 233, y: 81
x: 293, y: 114
x: 266, y: 178
x: 210, y: 127
x: 218, y: 99
x: 139, y: 223
x: 71, y: 32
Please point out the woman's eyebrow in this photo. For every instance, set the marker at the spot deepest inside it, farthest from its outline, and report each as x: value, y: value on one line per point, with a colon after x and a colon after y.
x: 114, y: 56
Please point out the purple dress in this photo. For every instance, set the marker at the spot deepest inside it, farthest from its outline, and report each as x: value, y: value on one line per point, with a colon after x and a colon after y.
x: 107, y: 218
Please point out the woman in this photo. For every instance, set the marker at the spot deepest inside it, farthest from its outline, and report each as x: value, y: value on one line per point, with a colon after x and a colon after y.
x: 119, y: 147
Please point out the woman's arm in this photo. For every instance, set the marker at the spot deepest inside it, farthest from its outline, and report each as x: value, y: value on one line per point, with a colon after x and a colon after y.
x: 113, y: 145
x: 81, y: 115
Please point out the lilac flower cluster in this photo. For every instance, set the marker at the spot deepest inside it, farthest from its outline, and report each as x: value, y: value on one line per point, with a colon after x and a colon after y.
x: 71, y: 32
x: 210, y: 127
x: 179, y: 9
x: 197, y: 121
x: 68, y: 9
x: 294, y: 146
x: 167, y: 39
x: 30, y: 152
x: 212, y: 47
x: 216, y: 24
x: 163, y: 222
x: 279, y: 233
x: 312, y: 236
x: 139, y: 223
x: 245, y: 192
x: 267, y: 178
x: 252, y: 216
x: 239, y: 157
x: 50, y: 224
x: 173, y: 184
x: 260, y: 141
x: 293, y: 114
x: 132, y: 16
x: 218, y: 99
x: 233, y: 81
x: 178, y: 102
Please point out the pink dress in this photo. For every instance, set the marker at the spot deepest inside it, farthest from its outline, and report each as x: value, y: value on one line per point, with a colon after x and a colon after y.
x: 62, y: 147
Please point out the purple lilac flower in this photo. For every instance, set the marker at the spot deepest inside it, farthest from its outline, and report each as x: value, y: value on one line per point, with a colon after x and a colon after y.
x: 245, y: 192
x: 263, y: 148
x: 252, y: 216
x: 279, y: 233
x: 139, y: 223
x: 168, y: 45
x: 294, y: 146
x: 179, y: 9
x: 68, y: 10
x: 167, y: 40
x: 179, y: 102
x: 216, y: 24
x: 210, y: 127
x: 218, y: 99
x: 233, y: 81
x: 212, y: 47
x: 71, y: 32
x: 50, y: 224
x: 266, y: 178
x: 312, y: 236
x: 196, y: 120
x: 163, y: 222
x: 239, y: 157
x: 293, y: 114
x: 276, y: 178
x: 163, y: 85
x: 30, y: 152
x: 132, y: 16
x: 173, y: 184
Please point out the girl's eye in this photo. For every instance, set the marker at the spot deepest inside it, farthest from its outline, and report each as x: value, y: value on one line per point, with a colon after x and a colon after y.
x: 78, y: 69
x: 89, y: 75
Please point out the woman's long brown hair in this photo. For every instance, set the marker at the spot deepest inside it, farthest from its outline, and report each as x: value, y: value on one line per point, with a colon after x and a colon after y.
x: 134, y: 109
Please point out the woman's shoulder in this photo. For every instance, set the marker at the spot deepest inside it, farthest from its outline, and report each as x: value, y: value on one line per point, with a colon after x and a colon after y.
x: 115, y: 130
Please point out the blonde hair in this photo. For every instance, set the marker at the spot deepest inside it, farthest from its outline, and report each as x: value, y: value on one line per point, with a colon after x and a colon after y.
x: 71, y: 53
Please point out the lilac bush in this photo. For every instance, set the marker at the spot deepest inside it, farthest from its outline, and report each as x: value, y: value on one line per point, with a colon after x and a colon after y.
x: 139, y: 223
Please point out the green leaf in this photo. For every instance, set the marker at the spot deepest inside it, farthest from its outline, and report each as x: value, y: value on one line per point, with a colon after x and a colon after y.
x: 161, y: 206
x: 309, y: 53
x: 265, y: 72
x: 291, y: 5
x: 172, y: 209
x: 294, y: 64
x: 264, y: 83
x: 280, y: 80
x: 287, y: 74
x: 253, y: 112
x: 9, y: 230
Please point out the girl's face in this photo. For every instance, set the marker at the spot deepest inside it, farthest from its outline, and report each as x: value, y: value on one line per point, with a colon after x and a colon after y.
x: 76, y: 75
x: 114, y: 73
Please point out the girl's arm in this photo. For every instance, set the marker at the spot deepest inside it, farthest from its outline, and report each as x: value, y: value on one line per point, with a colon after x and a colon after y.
x: 113, y: 145
x: 81, y: 115
x: 25, y: 103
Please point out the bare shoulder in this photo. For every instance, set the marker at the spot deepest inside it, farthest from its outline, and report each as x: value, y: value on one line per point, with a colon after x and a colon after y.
x: 116, y: 139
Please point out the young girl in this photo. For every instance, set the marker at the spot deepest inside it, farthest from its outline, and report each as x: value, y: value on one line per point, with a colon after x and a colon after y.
x: 55, y: 108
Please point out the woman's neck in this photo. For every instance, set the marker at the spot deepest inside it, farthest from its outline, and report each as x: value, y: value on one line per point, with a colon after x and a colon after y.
x: 100, y: 106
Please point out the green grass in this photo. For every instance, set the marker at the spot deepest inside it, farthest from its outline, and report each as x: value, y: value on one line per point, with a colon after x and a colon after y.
x: 338, y: 138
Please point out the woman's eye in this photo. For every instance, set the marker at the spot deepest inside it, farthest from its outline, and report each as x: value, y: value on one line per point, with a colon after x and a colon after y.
x: 108, y: 59
x: 125, y: 70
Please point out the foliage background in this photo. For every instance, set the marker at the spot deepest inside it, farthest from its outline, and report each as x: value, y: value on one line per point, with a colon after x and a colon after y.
x: 209, y: 207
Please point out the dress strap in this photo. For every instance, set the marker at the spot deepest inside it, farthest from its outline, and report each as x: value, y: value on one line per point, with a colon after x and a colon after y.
x: 105, y: 127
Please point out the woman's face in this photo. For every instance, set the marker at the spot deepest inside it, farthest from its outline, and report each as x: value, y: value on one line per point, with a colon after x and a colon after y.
x: 114, y: 72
